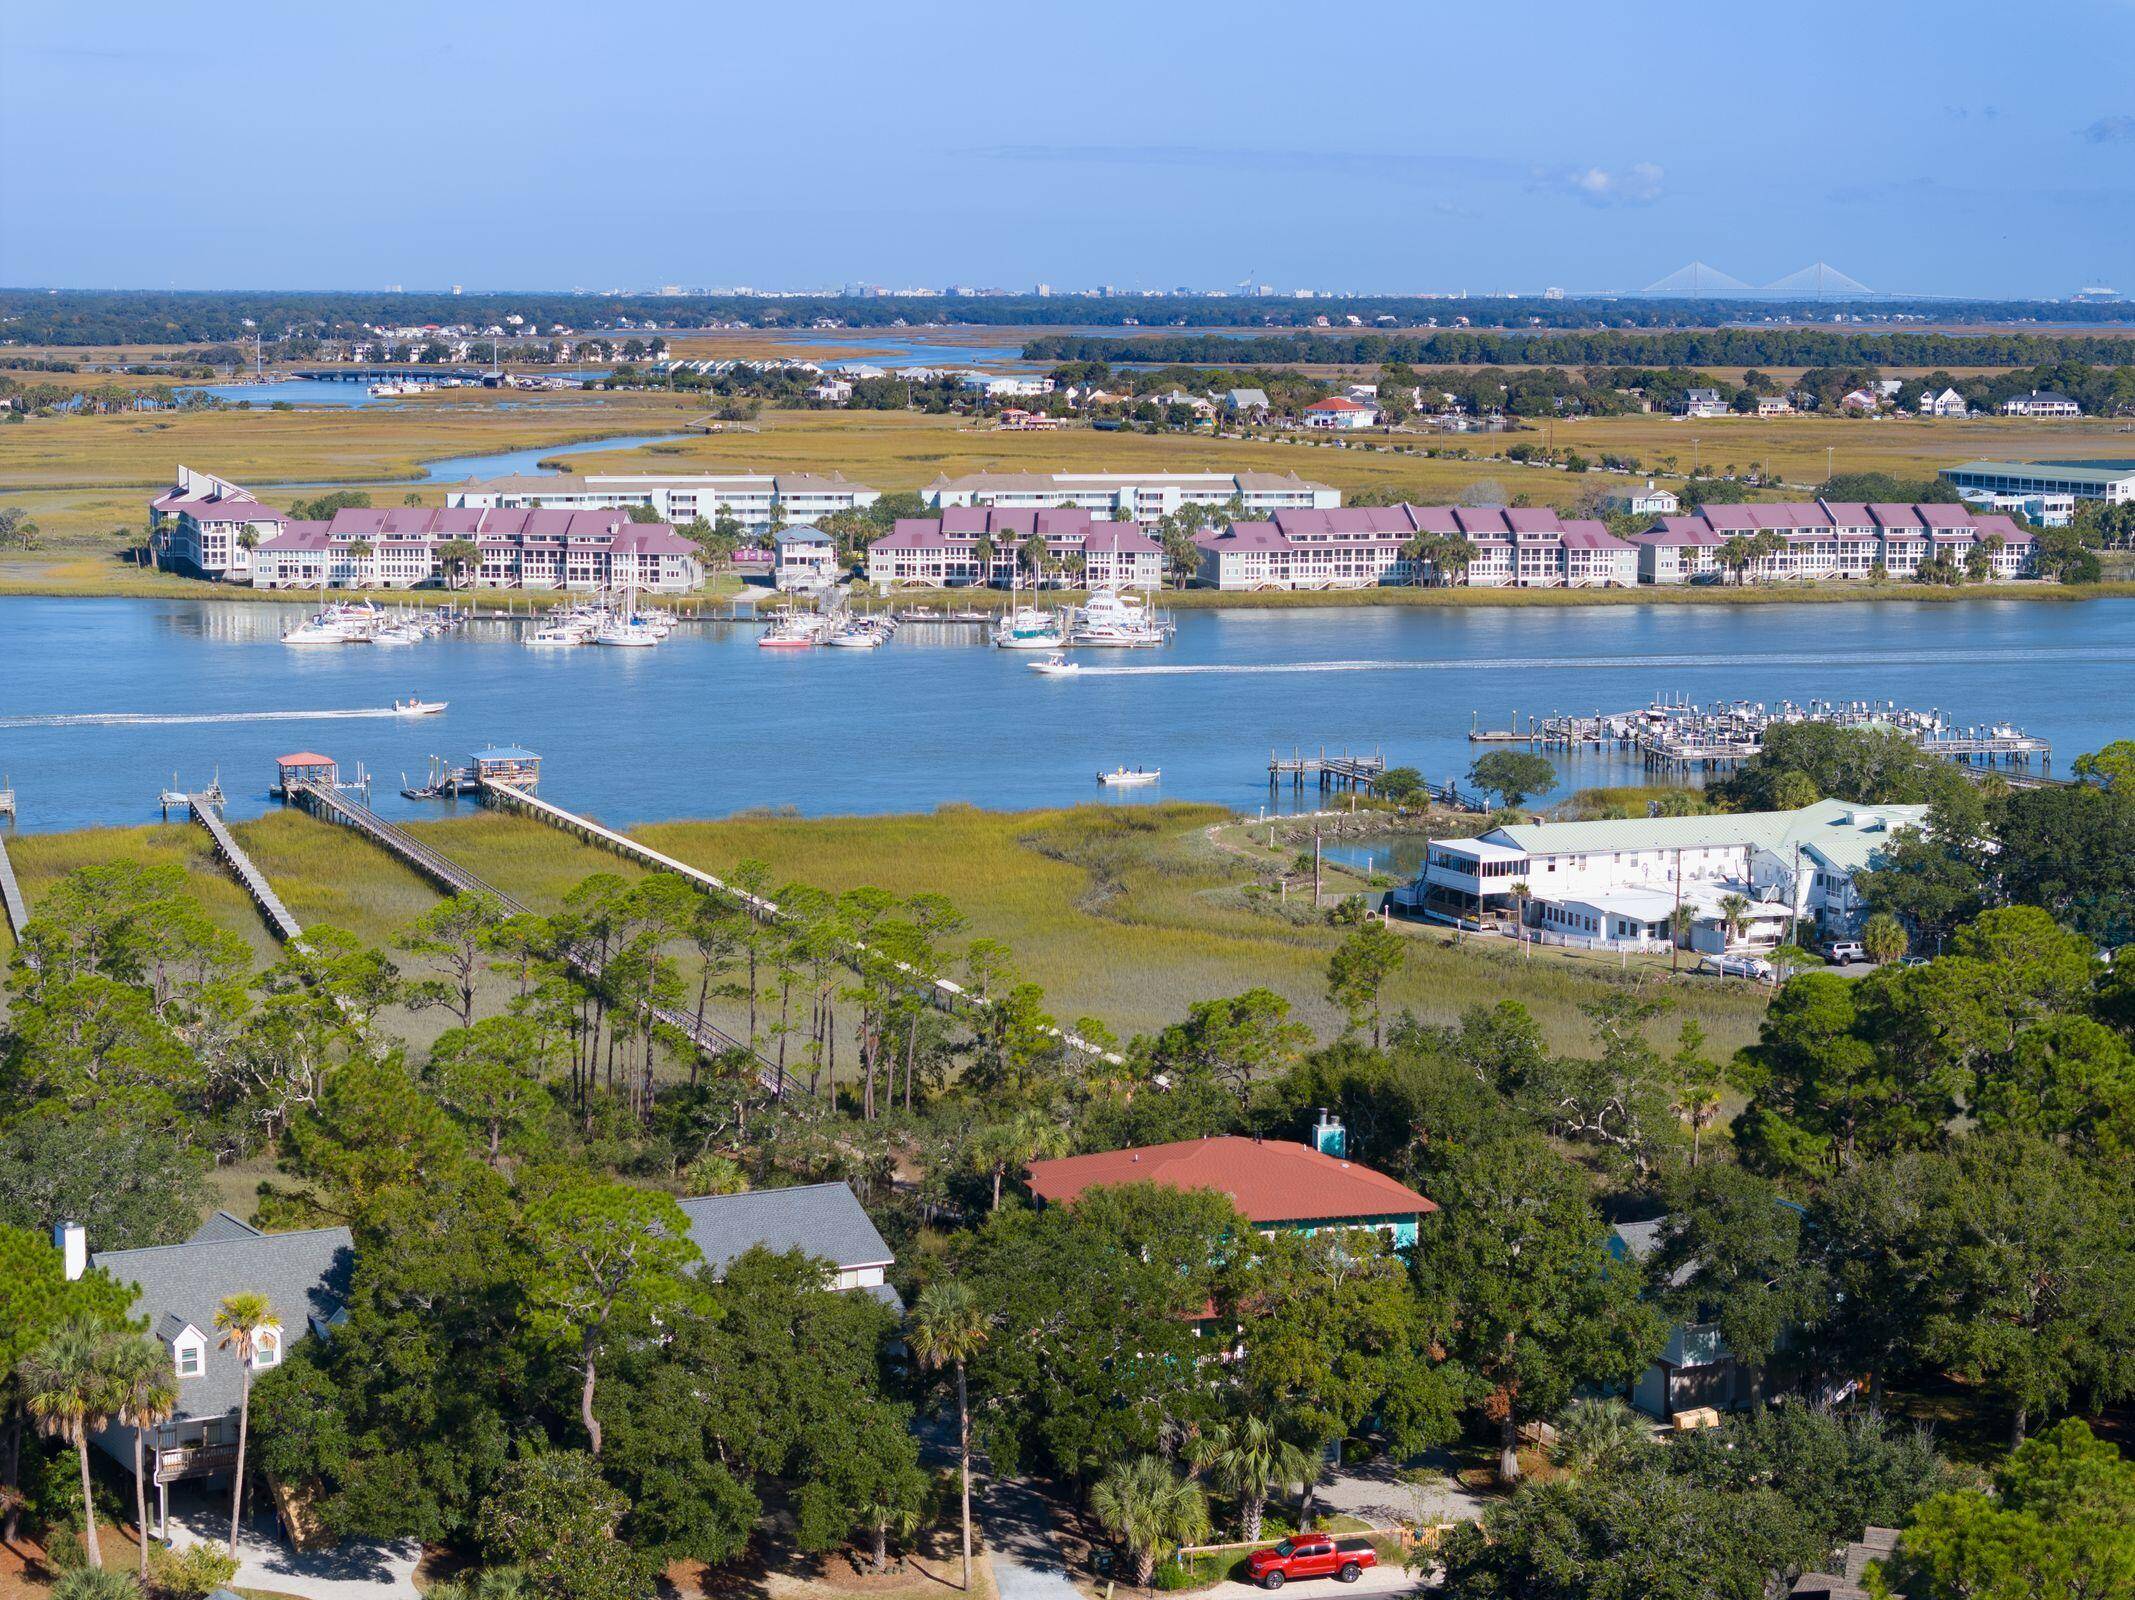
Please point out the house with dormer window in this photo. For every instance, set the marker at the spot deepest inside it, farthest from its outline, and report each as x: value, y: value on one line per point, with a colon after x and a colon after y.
x: 179, y: 1287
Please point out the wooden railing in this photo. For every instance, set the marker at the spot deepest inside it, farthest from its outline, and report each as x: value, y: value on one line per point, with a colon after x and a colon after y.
x: 186, y: 1460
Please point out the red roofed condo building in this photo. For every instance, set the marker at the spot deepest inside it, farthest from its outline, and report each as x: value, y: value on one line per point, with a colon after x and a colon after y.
x: 1276, y: 1184
x: 1831, y: 539
x: 942, y: 552
x: 206, y: 527
x: 398, y: 548
x: 1358, y: 547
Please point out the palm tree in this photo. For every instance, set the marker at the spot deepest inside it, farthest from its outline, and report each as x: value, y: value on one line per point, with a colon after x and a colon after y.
x: 1028, y: 1136
x: 1146, y: 1506
x: 145, y: 1392
x: 1247, y: 1457
x: 948, y: 1329
x: 982, y: 558
x: 1597, y: 1435
x: 1734, y: 916
x: 244, y: 1320
x: 1680, y: 921
x: 67, y: 1384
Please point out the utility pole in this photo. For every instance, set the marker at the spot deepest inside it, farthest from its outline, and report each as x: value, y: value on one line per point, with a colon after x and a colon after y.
x: 1315, y: 866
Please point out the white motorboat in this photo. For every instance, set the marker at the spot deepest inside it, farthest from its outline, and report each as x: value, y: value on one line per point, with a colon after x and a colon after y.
x: 397, y: 633
x: 557, y: 635
x: 627, y: 634
x: 315, y: 632
x: 418, y: 708
x: 1116, y: 620
x: 1055, y: 666
x: 797, y: 630
x: 1123, y: 778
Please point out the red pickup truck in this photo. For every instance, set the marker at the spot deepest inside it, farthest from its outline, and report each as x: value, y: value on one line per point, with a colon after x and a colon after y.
x: 1310, y: 1555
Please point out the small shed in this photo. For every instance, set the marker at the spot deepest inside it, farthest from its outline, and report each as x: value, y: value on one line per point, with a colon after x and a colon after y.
x: 508, y: 764
x: 304, y: 766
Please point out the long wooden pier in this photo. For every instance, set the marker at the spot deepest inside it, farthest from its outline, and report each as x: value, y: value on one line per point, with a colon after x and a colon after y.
x: 946, y: 990
x: 334, y: 805
x: 18, y: 910
x: 206, y: 813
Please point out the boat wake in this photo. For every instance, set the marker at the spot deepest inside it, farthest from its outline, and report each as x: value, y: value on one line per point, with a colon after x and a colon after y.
x: 1847, y: 658
x: 144, y: 719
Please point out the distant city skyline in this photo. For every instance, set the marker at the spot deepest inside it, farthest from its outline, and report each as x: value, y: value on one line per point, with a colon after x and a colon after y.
x: 1930, y: 150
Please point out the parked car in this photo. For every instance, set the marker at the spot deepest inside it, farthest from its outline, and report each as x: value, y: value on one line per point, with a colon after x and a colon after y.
x: 1845, y: 952
x: 1737, y: 967
x: 1310, y: 1555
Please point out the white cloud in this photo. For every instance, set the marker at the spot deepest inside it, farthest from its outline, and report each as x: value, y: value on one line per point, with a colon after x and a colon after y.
x: 1636, y: 185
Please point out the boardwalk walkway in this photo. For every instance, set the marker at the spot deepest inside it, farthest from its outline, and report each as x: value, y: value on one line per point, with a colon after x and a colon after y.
x: 18, y: 911
x: 332, y: 805
x: 255, y: 881
x: 947, y: 992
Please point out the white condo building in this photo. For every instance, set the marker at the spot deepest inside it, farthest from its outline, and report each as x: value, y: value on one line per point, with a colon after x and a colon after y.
x: 756, y: 500
x: 2110, y: 481
x: 1617, y: 884
x: 206, y: 526
x: 1130, y: 496
x: 405, y: 547
x: 1833, y: 539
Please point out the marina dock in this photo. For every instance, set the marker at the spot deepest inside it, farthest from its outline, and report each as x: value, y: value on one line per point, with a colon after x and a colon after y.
x: 206, y: 810
x: 1680, y: 738
x: 331, y: 803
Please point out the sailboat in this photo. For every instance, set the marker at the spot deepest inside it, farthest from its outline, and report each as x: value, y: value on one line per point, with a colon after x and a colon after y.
x: 1028, y: 627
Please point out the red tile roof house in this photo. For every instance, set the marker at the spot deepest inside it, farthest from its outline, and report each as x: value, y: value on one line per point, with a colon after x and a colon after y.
x: 1276, y: 1184
x: 941, y: 552
x: 1361, y: 547
x: 1831, y: 539
x: 1341, y: 413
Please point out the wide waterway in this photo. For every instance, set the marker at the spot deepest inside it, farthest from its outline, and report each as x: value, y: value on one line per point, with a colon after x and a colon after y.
x: 103, y: 702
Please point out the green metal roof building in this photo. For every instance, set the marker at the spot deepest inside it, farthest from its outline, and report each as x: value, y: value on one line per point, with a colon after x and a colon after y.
x: 2112, y: 481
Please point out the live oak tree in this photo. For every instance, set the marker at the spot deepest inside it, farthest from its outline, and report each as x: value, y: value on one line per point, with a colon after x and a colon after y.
x: 1539, y: 1310
x: 1512, y: 775
x: 556, y: 1516
x: 1732, y: 1253
x: 607, y: 1259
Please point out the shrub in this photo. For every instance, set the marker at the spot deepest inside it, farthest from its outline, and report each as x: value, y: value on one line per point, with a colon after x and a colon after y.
x: 193, y: 1575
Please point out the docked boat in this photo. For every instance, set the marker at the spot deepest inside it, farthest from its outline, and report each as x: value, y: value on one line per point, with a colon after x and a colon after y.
x: 1123, y: 778
x: 857, y: 636
x: 1030, y: 629
x: 1118, y: 621
x: 418, y: 708
x: 1055, y: 666
x: 557, y: 635
x: 796, y: 630
x: 627, y: 633
x: 315, y: 632
x: 397, y: 633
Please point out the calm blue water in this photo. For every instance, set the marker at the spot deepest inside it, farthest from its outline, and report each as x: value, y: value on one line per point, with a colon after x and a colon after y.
x: 708, y: 724
x: 459, y: 469
x: 315, y: 392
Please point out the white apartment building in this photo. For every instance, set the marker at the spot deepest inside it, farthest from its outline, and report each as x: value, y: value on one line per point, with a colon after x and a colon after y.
x: 206, y: 526
x: 997, y: 388
x: 1358, y: 547
x: 2047, y: 510
x: 756, y: 500
x: 1131, y: 496
x: 1617, y: 884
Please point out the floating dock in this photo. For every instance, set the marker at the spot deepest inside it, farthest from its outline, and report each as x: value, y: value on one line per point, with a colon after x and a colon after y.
x: 1344, y: 771
x: 206, y: 810
x: 331, y: 803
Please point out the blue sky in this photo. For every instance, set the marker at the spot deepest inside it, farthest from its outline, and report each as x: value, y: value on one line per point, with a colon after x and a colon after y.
x: 1947, y: 148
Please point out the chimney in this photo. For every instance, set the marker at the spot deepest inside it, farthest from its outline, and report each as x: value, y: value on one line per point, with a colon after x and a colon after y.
x: 1329, y: 1137
x: 71, y: 1240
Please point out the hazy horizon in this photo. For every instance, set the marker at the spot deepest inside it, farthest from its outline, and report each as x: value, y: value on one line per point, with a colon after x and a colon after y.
x: 517, y: 149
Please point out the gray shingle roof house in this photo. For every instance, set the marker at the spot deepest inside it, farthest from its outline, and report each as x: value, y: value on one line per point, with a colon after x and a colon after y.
x: 305, y: 1278
x: 822, y: 1219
